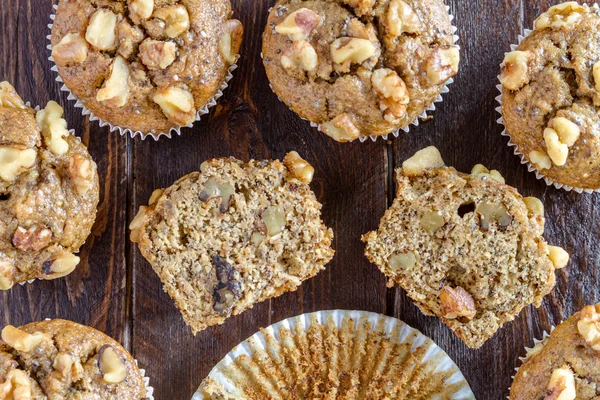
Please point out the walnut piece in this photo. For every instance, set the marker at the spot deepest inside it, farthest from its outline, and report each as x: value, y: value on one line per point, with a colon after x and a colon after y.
x: 7, y: 274
x: 596, y: 74
x: 565, y: 15
x: 156, y: 54
x: 136, y: 224
x: 101, y: 30
x: 60, y: 266
x: 141, y: 8
x: 341, y: 128
x: 589, y: 326
x: 228, y: 289
x: 347, y: 50
x: 561, y: 385
x: 558, y: 256
x: 177, y: 104
x: 401, y: 18
x: 21, y: 340
x: 515, y: 70
x: 176, y: 19
x: 274, y: 220
x: 9, y: 97
x: 481, y: 172
x: 300, y: 55
x: 442, y: 65
x: 402, y: 261
x: 213, y: 189
x: 457, y: 303
x: 14, y: 161
x: 299, y: 24
x: 299, y: 167
x: 111, y: 365
x: 432, y: 221
x: 426, y: 158
x: 67, y: 366
x: 54, y: 128
x: 540, y: 159
x: 535, y: 207
x: 16, y: 386
x: 231, y: 40
x: 115, y: 91
x: 568, y: 132
x: 82, y: 171
x: 557, y: 151
x: 128, y: 37
x: 393, y: 93
x: 72, y: 49
x: 493, y: 212
x: 33, y: 239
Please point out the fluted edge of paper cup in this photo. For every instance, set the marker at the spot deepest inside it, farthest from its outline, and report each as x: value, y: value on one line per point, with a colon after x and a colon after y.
x: 268, y: 355
x: 423, y: 116
x: 149, y: 389
x: 524, y: 161
x: 127, y: 131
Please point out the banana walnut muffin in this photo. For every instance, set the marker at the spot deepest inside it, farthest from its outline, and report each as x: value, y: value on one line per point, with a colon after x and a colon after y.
x: 565, y: 365
x: 359, y: 67
x: 466, y: 247
x: 233, y: 234
x: 48, y: 192
x: 145, y: 65
x: 551, y: 96
x: 62, y: 360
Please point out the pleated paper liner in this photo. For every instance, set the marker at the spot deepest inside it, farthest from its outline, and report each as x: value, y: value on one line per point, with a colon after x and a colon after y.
x: 336, y: 354
x: 505, y: 132
x: 423, y: 116
x: 126, y: 131
x: 149, y: 389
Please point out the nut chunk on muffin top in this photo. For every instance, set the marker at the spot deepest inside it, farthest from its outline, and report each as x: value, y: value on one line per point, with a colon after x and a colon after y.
x: 565, y: 365
x: 145, y: 65
x: 232, y: 235
x: 359, y: 67
x: 62, y: 360
x: 48, y: 192
x: 551, y: 96
x: 466, y: 247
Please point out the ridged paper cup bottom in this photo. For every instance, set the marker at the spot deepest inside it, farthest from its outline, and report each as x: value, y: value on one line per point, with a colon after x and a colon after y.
x: 149, y: 389
x: 505, y: 132
x: 336, y: 354
x: 126, y: 131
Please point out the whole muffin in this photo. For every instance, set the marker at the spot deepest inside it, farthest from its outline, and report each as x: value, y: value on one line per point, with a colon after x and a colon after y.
x: 566, y: 365
x: 466, y: 247
x: 62, y: 360
x: 143, y: 65
x: 48, y: 192
x: 232, y: 235
x: 551, y: 96
x: 359, y: 67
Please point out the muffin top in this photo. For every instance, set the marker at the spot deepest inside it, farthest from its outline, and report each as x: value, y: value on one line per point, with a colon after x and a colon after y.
x: 551, y: 95
x: 359, y: 67
x: 62, y: 360
x: 145, y: 65
x: 466, y: 247
x: 48, y: 192
x: 566, y: 365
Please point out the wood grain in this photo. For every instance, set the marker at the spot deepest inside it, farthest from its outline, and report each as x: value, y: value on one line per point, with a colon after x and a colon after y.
x: 116, y: 291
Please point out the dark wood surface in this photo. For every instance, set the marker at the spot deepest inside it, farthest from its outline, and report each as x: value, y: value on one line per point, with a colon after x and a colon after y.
x: 115, y: 290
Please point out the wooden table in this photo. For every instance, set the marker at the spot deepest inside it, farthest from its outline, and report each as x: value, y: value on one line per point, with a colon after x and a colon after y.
x: 115, y: 290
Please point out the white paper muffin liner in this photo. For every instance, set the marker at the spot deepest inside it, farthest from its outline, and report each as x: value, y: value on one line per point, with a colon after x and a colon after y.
x: 149, y: 389
x: 415, y: 122
x: 126, y: 131
x: 358, y: 339
x: 505, y: 132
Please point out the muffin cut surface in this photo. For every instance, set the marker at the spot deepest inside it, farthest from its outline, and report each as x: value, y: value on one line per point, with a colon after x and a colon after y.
x: 466, y: 248
x: 232, y: 235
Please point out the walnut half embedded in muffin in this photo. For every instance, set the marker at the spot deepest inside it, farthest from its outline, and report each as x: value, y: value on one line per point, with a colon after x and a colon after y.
x: 466, y: 247
x: 359, y: 68
x: 143, y: 65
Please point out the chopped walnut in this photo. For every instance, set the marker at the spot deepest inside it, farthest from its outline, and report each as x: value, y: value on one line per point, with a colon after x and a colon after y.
x: 16, y: 386
x: 493, y: 212
x: 7, y: 274
x: 432, y: 221
x: 128, y: 38
x: 72, y: 49
x: 156, y: 54
x: 346, y: 51
x: 481, y: 172
x: 157, y: 194
x: 299, y: 24
x: 53, y: 127
x: 561, y: 385
x: 589, y: 326
x: 401, y: 18
x: 111, y: 365
x: 62, y: 265
x: 136, y: 224
x: 9, y: 97
x: 21, y: 340
x: 231, y: 40
x: 558, y: 256
x: 82, y: 171
x: 429, y: 157
x: 341, y: 128
x: 557, y: 151
x: 299, y: 56
x: 565, y: 15
x: 228, y: 289
x: 176, y: 19
x: 596, y: 74
x: 177, y: 104
x: 141, y: 8
x: 14, y: 161
x: 213, y: 189
x: 299, y: 167
x: 115, y: 91
x: 568, y: 132
x: 402, y: 261
x: 274, y: 220
x: 534, y: 206
x: 515, y: 70
x: 33, y: 239
x: 540, y: 159
x: 101, y: 30
x: 441, y: 65
x: 66, y: 365
x: 457, y: 303
x: 393, y: 93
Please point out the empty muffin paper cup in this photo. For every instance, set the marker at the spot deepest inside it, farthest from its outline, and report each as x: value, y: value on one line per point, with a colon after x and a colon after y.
x: 505, y: 132
x: 327, y: 354
x: 126, y: 131
x: 422, y: 116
